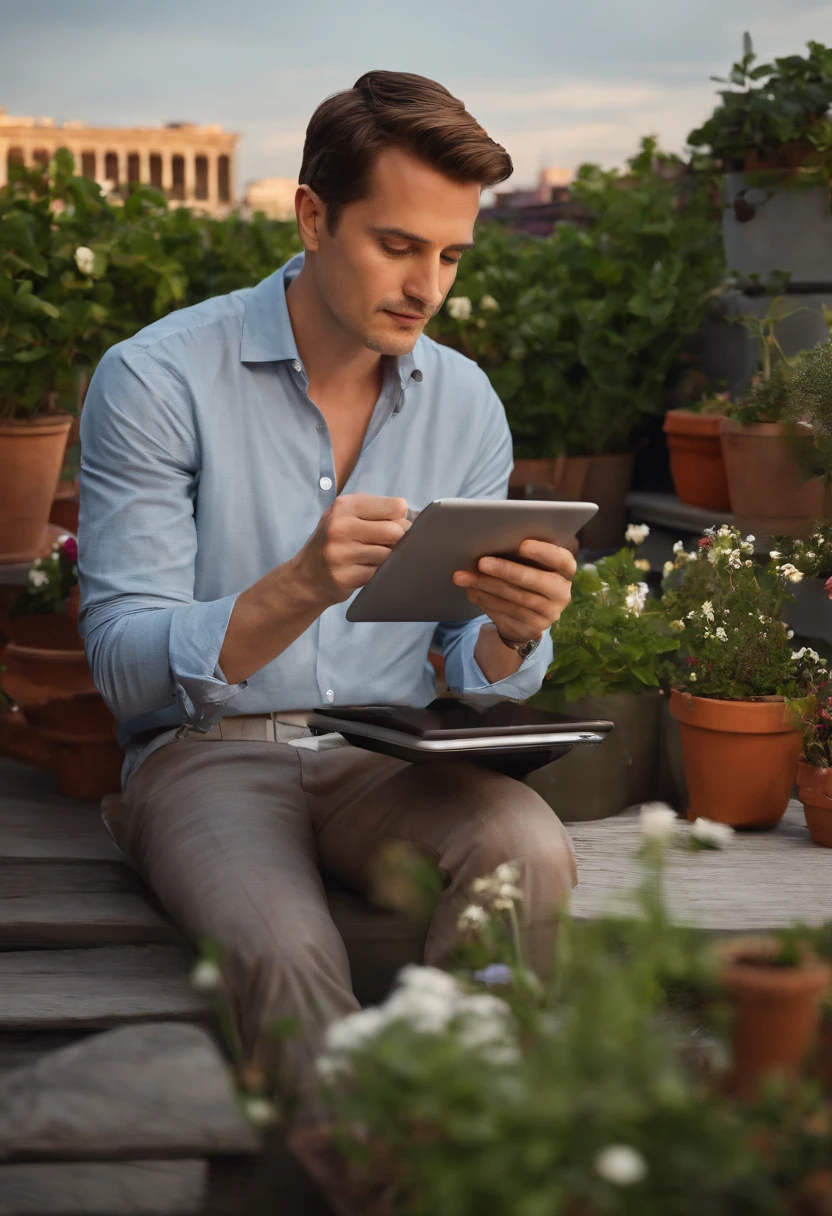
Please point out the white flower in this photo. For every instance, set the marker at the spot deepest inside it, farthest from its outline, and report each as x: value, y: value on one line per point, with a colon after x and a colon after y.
x: 38, y: 578
x: 692, y: 677
x: 590, y: 567
x: 721, y: 634
x: 84, y: 259
x: 472, y: 917
x: 426, y: 1012
x: 776, y: 554
x: 810, y: 554
x: 507, y: 872
x: 621, y: 1165
x: 641, y: 563
x: 459, y: 307
x: 356, y: 1030
x: 637, y: 534
x: 417, y: 978
x: 260, y: 1111
x: 679, y: 547
x: 790, y: 572
x: 676, y: 626
x: 749, y: 540
x: 206, y: 976
x: 711, y: 833
x: 636, y: 598
x: 667, y: 569
x: 658, y: 820
x: 708, y: 610
x: 789, y: 632
x: 488, y: 303
x: 734, y: 559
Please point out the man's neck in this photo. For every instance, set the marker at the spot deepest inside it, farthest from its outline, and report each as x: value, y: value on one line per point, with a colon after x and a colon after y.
x: 330, y: 355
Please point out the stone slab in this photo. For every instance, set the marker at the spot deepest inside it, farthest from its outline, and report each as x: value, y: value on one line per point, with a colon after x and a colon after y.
x: 762, y: 880
x: 98, y: 988
x: 156, y: 1090
x: 82, y: 1188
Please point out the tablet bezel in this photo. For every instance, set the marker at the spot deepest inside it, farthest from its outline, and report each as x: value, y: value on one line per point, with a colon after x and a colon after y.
x: 415, y: 583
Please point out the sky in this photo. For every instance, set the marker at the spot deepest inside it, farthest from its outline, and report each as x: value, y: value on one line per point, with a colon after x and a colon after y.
x: 557, y: 82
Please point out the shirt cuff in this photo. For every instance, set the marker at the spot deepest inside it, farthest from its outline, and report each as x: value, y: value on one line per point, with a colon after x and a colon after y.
x: 197, y: 633
x: 520, y: 685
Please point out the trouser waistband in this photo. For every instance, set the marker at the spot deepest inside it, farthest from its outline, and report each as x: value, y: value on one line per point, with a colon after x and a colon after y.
x: 276, y: 727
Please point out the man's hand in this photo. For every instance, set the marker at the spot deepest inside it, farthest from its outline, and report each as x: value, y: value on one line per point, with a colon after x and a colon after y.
x: 351, y: 541
x: 522, y: 601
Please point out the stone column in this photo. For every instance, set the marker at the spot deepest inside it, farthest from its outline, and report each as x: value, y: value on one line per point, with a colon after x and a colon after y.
x: 213, y: 199
x: 190, y: 174
x: 167, y: 170
x: 121, y: 153
x: 144, y: 166
x: 4, y: 162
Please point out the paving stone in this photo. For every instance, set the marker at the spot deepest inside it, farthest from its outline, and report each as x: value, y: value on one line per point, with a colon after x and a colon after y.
x: 122, y: 1188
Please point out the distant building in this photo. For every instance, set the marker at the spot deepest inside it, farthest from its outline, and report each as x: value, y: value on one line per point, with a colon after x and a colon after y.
x: 537, y: 209
x: 275, y: 196
x: 193, y: 165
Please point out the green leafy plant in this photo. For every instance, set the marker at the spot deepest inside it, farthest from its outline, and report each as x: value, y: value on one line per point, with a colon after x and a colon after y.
x: 711, y: 405
x: 581, y: 333
x: 611, y: 636
x: 727, y: 611
x: 772, y: 106
x: 810, y: 400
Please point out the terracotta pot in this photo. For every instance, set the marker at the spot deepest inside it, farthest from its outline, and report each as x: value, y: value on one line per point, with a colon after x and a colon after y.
x: 815, y: 792
x: 22, y: 742
x: 602, y: 479
x: 31, y: 456
x: 696, y: 462
x: 45, y: 631
x: 89, y: 770
x: 776, y: 1010
x: 34, y: 676
x: 740, y: 758
x: 768, y: 494
x: 823, y: 1059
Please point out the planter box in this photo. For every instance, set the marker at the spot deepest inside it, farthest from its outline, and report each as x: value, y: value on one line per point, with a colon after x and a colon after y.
x: 772, y: 227
x: 597, y: 782
x: 602, y: 479
x: 768, y: 494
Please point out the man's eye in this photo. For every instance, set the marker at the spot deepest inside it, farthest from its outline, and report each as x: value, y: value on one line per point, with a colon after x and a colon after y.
x: 450, y: 261
x: 396, y: 253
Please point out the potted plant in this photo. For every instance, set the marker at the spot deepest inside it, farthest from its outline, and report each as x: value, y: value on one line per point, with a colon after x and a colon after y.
x: 47, y: 676
x: 814, y: 776
x: 771, y: 135
x: 810, y: 612
x: 696, y: 461
x: 768, y: 450
x: 580, y: 333
x: 608, y: 643
x: 730, y: 679
x: 774, y: 985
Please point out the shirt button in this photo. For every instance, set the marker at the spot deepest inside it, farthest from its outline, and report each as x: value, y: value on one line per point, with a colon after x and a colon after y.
x: 330, y: 695
x: 296, y: 365
x: 325, y: 483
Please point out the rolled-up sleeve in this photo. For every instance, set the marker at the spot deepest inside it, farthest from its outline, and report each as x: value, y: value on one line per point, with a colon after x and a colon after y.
x: 489, y: 478
x: 149, y: 643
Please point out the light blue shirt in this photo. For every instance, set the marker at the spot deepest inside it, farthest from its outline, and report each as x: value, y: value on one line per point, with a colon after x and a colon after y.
x: 205, y: 465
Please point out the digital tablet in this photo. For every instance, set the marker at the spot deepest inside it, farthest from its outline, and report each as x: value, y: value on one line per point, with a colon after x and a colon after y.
x: 415, y: 583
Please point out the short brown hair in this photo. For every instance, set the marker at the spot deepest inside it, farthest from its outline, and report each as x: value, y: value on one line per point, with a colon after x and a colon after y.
x: 393, y: 109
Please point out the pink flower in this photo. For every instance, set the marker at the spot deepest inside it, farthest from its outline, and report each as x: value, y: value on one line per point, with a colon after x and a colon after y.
x: 828, y: 587
x: 70, y: 549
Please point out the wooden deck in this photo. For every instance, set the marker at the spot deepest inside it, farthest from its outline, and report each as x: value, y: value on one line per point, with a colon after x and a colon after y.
x: 114, y: 1095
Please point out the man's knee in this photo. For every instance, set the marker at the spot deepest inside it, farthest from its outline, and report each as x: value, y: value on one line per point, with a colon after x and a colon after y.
x: 518, y: 826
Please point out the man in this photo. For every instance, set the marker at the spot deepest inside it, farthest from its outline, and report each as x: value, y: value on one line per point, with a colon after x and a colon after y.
x: 248, y: 463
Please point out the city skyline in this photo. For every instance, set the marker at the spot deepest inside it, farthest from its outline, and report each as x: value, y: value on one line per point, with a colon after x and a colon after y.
x: 556, y: 84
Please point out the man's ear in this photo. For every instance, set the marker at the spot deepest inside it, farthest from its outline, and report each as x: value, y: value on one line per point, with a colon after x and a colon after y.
x: 311, y: 216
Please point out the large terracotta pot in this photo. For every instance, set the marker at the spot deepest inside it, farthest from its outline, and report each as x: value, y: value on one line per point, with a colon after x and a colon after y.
x: 31, y: 456
x: 45, y: 631
x: 776, y: 1010
x: 815, y: 792
x: 768, y: 493
x: 34, y: 676
x: 82, y: 732
x: 597, y: 782
x: 65, y: 506
x: 740, y: 758
x: 823, y: 1066
x: 602, y: 479
x: 696, y: 459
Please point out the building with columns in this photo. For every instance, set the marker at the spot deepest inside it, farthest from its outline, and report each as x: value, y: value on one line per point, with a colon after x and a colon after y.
x: 193, y: 165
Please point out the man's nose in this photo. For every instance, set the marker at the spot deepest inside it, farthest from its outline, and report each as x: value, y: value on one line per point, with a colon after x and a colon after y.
x: 424, y: 285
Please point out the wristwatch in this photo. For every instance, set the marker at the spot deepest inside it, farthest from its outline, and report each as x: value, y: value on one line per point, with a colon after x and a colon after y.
x: 524, y: 649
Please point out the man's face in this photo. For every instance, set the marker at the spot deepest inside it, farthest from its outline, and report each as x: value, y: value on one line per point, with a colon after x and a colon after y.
x: 393, y: 256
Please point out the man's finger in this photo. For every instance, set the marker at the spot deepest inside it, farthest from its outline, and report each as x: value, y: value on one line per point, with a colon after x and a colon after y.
x: 373, y: 506
x: 532, y: 623
x: 552, y: 557
x: 532, y: 600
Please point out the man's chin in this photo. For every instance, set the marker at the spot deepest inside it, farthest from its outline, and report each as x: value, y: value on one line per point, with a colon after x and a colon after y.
x: 394, y: 345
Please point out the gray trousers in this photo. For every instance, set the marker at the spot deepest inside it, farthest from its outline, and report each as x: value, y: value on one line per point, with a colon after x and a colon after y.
x: 232, y: 836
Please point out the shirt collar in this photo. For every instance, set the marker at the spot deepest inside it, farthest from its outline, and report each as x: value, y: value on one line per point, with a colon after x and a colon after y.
x: 267, y: 327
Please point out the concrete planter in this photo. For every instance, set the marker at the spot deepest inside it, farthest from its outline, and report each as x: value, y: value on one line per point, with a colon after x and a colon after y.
x: 810, y: 616
x: 597, y: 782
x: 770, y: 226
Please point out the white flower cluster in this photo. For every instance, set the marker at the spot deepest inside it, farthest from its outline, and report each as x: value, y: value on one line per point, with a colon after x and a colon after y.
x: 712, y: 834
x: 459, y: 307
x: 620, y: 1165
x: 660, y: 822
x: 636, y: 534
x: 429, y: 1002
x: 500, y: 888
x: 636, y: 598
x: 37, y: 575
x: 489, y: 304
x: 790, y: 572
x: 84, y: 259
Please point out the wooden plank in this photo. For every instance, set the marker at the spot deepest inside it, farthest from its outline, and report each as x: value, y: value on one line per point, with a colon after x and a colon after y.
x: 157, y: 1090
x: 18, y: 1047
x: 107, y: 986
x: 762, y: 880
x: 81, y: 1188
x: 80, y: 920
x: 54, y: 830
x: 68, y: 878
